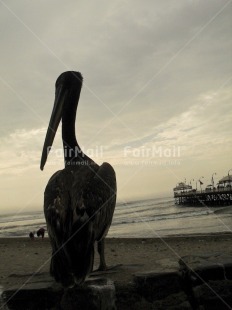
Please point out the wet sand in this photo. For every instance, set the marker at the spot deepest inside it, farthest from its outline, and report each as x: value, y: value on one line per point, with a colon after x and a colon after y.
x: 21, y: 257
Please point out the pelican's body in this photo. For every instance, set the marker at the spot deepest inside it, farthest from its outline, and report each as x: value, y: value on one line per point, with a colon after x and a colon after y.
x: 79, y: 200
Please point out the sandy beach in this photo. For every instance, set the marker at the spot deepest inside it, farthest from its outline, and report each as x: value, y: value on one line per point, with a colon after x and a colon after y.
x: 21, y: 256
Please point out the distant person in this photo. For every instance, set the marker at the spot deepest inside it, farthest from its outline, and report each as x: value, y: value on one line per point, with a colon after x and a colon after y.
x: 31, y: 235
x: 41, y: 232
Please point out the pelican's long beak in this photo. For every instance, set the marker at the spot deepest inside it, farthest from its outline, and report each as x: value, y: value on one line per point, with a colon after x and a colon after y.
x: 53, y: 124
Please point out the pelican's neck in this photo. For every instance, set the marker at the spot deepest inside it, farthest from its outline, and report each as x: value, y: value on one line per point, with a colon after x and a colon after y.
x: 72, y: 150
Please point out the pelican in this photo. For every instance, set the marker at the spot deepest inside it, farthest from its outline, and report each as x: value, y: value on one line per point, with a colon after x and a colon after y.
x: 79, y: 200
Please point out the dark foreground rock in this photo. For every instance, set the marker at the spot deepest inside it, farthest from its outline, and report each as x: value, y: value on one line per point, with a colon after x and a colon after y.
x: 128, y: 298
x: 98, y: 293
x: 39, y: 293
x: 214, y: 295
x: 154, y: 285
x: 212, y: 266
x: 162, y: 289
x: 207, y: 280
x: 198, y: 282
x: 95, y: 294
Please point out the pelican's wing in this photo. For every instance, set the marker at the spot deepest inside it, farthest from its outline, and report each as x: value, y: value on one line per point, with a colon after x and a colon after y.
x: 58, y: 216
x: 99, y: 199
x: 57, y: 204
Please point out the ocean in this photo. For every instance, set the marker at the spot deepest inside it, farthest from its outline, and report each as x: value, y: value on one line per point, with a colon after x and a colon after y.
x: 151, y: 218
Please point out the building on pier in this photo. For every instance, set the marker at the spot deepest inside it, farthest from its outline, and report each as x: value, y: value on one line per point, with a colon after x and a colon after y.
x: 225, y: 182
x: 211, y: 196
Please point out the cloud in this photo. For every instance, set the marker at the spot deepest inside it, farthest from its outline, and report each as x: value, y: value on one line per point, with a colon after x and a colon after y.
x: 200, y: 138
x: 153, y: 75
x: 20, y: 151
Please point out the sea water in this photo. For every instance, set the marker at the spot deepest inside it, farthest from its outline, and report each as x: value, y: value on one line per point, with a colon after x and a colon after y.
x: 151, y: 218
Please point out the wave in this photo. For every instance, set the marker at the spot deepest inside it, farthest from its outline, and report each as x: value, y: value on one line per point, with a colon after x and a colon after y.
x: 226, y: 210
x: 157, y: 201
x: 166, y: 216
x: 9, y: 218
x: 13, y: 227
x: 161, y: 217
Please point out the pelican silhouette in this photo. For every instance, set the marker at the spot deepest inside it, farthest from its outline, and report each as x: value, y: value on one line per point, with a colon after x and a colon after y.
x: 79, y: 200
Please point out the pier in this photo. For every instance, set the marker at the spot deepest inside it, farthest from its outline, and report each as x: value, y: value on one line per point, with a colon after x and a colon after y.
x: 221, y: 196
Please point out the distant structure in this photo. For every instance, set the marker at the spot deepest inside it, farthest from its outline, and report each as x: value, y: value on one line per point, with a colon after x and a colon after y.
x: 220, y: 195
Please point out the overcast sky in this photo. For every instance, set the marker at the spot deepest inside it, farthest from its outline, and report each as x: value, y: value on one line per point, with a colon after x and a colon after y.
x: 156, y: 101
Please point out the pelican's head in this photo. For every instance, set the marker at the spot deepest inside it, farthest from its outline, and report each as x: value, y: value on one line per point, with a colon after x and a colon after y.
x: 68, y: 88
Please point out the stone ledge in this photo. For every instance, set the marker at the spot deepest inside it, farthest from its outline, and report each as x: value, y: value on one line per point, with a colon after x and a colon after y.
x: 207, y: 280
x: 214, y: 295
x: 153, y: 285
x: 207, y: 267
x: 97, y: 293
x: 201, y: 282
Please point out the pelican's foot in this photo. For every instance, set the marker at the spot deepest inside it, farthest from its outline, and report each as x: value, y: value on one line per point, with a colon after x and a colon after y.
x: 102, y: 267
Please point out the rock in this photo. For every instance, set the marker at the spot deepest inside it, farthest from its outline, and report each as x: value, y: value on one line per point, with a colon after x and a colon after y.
x: 43, y: 293
x: 173, y: 302
x: 207, y: 280
x: 154, y: 285
x: 94, y: 294
x: 214, y: 295
x: 33, y: 296
x: 210, y: 272
x: 127, y: 298
x: 228, y: 270
x: 3, y: 305
x: 200, y: 268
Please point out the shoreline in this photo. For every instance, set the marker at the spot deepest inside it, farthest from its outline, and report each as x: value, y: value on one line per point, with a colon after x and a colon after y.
x: 191, y: 235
